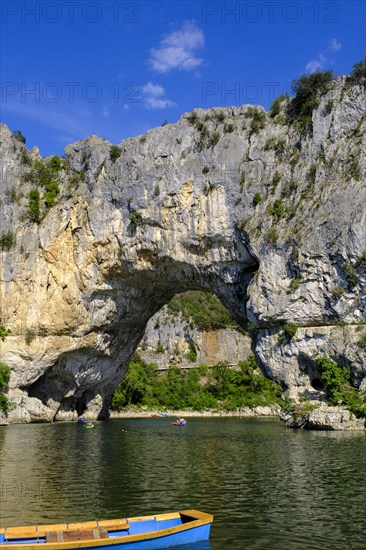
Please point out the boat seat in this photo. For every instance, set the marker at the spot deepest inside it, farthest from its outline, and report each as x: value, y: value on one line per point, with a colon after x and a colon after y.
x: 113, y: 524
x: 76, y: 534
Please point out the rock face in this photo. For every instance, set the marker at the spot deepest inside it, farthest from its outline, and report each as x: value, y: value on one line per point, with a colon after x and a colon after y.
x: 271, y: 221
x: 325, y: 418
x: 168, y: 338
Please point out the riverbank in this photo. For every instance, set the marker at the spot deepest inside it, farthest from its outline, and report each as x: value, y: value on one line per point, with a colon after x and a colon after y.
x: 272, y: 411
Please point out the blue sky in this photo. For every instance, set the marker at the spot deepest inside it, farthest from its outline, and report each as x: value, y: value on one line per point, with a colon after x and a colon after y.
x: 117, y: 68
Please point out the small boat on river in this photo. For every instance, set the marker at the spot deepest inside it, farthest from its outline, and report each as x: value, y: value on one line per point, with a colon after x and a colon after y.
x: 138, y: 533
x: 179, y: 422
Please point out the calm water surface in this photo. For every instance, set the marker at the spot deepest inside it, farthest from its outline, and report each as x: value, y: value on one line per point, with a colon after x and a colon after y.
x: 268, y: 487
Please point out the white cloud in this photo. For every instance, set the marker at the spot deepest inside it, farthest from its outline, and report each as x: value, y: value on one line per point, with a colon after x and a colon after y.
x: 178, y: 49
x: 316, y: 64
x: 105, y: 111
x: 334, y: 45
x: 154, y: 97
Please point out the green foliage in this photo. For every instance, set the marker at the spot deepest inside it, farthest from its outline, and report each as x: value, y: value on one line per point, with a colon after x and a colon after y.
x: 192, y: 354
x: 339, y: 391
x: 136, y: 218
x: 361, y: 260
x: 276, y: 105
x: 160, y: 348
x: 257, y: 199
x: 115, y: 153
x: 34, y: 206
x: 29, y: 336
x: 4, y: 381
x: 276, y: 144
x: 275, y: 181
x: 202, y: 308
x: 312, y: 174
x: 25, y: 158
x: 7, y: 240
x: 4, y: 333
x: 229, y: 128
x: 192, y: 118
x: 337, y: 292
x: 17, y: 134
x: 350, y: 273
x: 278, y: 209
x: 272, y: 235
x: 290, y: 330
x: 51, y: 191
x: 358, y: 75
x: 295, y: 283
x: 258, y: 121
x: 55, y: 164
x: 219, y: 116
x: 307, y: 89
x: 205, y: 170
x: 329, y: 106
x: 213, y: 139
x: 142, y: 139
x: 224, y: 389
x: 362, y: 341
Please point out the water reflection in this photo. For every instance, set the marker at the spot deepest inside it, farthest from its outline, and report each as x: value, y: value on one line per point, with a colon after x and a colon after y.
x: 268, y: 487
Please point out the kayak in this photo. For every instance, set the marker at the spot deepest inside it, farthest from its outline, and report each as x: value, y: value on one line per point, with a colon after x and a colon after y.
x: 138, y: 533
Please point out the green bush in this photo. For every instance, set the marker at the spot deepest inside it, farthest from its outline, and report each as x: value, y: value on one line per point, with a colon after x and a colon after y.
x: 229, y: 128
x: 213, y: 139
x: 275, y: 144
x: 51, y: 191
x: 136, y: 218
x: 258, y: 121
x: 7, y: 240
x: 192, y: 118
x: 307, y: 89
x: 34, y: 206
x: 192, y: 354
x: 257, y: 199
x: 290, y: 330
x: 224, y: 388
x: 350, y: 273
x: 4, y: 333
x: 203, y: 309
x: 362, y: 341
x: 205, y: 170
x: 339, y: 390
x: 4, y: 381
x: 278, y: 209
x: 219, y: 116
x: 276, y: 105
x: 272, y: 235
x: 312, y: 174
x: 337, y: 292
x: 115, y: 153
x: 17, y: 134
x: 358, y: 75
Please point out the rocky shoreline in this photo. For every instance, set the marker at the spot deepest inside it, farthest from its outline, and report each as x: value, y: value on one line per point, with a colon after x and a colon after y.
x: 324, y: 418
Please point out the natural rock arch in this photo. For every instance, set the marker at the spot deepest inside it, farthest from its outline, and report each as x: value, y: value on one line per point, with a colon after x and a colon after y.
x: 278, y: 235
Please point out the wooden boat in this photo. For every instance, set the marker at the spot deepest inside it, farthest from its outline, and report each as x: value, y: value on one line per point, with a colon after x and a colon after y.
x: 139, y: 533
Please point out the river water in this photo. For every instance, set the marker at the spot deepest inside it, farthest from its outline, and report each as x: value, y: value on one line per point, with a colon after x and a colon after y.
x: 269, y: 488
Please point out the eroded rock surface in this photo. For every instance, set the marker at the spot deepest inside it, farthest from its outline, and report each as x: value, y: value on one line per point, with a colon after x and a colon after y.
x: 176, y: 211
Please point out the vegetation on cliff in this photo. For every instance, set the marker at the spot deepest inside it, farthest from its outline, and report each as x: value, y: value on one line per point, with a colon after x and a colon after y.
x: 4, y: 381
x: 203, y: 309
x: 338, y: 386
x: 199, y: 388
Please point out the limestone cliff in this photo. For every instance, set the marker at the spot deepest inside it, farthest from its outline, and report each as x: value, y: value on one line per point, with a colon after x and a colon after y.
x: 233, y: 201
